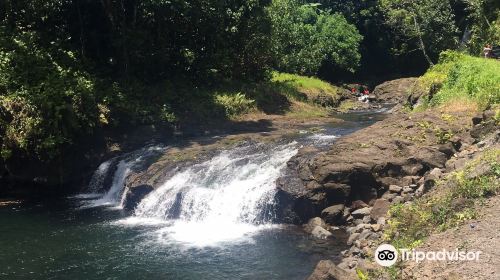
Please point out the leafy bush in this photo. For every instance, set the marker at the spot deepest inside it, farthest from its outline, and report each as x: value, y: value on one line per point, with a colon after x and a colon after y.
x: 234, y: 104
x: 48, y: 101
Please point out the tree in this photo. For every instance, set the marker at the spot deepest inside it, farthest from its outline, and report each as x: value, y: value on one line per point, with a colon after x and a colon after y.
x: 304, y: 37
x: 481, y: 23
x: 427, y: 25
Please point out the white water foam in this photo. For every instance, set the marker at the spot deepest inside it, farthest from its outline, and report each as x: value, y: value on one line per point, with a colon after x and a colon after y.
x: 114, y: 197
x: 220, y: 200
x: 99, y: 175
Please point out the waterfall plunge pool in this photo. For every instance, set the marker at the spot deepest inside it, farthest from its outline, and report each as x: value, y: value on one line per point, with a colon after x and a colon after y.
x: 213, y: 236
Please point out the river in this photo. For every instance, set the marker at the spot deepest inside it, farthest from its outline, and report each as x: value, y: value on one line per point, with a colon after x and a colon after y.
x: 212, y: 220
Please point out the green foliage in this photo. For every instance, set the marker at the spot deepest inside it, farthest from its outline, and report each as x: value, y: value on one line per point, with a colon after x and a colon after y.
x: 428, y: 25
x: 410, y: 224
x: 462, y: 77
x: 483, y: 19
x: 154, y: 39
x: 47, y: 99
x: 235, y: 104
x: 304, y: 38
x: 304, y: 84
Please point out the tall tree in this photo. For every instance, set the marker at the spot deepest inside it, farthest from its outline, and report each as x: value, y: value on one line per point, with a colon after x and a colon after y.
x: 304, y: 37
x: 427, y: 25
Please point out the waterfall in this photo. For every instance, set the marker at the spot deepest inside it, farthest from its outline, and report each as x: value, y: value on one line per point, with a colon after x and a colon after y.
x: 220, y: 199
x: 123, y: 165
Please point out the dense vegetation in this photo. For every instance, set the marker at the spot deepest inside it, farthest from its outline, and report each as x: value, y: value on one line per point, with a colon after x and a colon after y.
x: 304, y: 38
x: 461, y: 78
x: 72, y: 68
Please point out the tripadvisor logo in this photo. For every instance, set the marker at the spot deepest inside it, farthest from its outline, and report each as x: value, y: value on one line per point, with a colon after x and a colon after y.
x: 387, y: 255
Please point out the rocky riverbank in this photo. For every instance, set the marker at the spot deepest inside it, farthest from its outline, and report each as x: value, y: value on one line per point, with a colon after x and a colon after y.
x: 354, y: 184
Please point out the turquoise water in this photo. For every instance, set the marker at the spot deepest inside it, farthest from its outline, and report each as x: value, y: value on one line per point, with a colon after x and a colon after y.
x: 62, y: 242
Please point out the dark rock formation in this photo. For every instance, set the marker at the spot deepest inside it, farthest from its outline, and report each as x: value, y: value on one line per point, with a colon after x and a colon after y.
x: 363, y: 166
x: 395, y: 91
x: 134, y: 195
x: 333, y: 214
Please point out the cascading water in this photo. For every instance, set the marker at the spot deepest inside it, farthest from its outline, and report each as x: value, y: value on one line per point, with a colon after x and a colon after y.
x: 124, y: 164
x: 98, y: 177
x: 221, y: 199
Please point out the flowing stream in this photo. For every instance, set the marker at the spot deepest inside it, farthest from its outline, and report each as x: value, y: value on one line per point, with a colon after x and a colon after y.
x: 209, y: 220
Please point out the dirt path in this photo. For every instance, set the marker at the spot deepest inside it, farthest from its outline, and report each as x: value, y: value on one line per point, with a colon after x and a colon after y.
x: 481, y: 234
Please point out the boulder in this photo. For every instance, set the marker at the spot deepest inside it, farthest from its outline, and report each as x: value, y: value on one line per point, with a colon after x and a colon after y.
x: 379, y: 209
x: 353, y: 237
x: 320, y: 233
x: 313, y: 223
x: 135, y: 194
x: 333, y: 214
x: 358, y: 204
x: 360, y: 213
x: 395, y: 189
x: 327, y: 270
x: 395, y: 91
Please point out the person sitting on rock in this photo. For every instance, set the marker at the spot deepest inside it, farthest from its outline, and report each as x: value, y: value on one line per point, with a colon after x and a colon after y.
x: 364, y: 96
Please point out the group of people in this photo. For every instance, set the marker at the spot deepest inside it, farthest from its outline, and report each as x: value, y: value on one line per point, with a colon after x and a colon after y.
x: 362, y: 93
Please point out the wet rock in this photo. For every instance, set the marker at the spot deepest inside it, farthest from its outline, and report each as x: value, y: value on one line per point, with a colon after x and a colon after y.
x: 320, y: 233
x: 135, y: 194
x: 327, y: 270
x: 350, y: 172
x: 313, y: 223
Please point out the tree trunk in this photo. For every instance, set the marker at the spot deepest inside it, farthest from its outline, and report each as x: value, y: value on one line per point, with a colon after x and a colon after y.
x: 421, y: 42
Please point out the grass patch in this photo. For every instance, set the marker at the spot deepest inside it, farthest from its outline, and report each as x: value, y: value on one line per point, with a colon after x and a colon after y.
x: 452, y: 203
x: 462, y: 79
x: 307, y: 111
x: 305, y: 84
x: 284, y: 94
